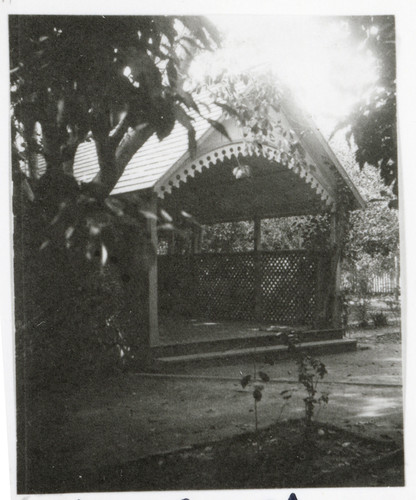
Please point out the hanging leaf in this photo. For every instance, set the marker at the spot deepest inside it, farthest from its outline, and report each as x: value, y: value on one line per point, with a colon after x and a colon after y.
x: 165, y: 215
x: 44, y: 244
x: 166, y: 227
x: 229, y: 109
x: 219, y: 127
x: 186, y: 121
x: 187, y: 99
x: 115, y: 206
x: 245, y: 380
x: 257, y: 394
x: 264, y: 377
x: 186, y: 215
x: 202, y: 29
x: 148, y: 215
x: 69, y: 232
x: 28, y: 190
x: 172, y: 73
x: 104, y: 255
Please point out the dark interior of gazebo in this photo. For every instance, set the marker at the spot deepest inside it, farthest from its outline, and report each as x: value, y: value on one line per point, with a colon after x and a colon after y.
x: 223, y: 295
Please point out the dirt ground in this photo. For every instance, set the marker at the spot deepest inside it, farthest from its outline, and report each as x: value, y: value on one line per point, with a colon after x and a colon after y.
x: 135, y: 415
x: 279, y: 456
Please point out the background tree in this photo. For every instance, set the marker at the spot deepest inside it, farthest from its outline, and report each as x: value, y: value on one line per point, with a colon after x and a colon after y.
x: 81, y: 258
x: 116, y: 78
x: 372, y: 245
x: 354, y: 67
x: 372, y: 122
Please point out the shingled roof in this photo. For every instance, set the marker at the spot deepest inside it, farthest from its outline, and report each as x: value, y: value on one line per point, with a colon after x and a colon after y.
x: 163, y: 165
x: 150, y: 162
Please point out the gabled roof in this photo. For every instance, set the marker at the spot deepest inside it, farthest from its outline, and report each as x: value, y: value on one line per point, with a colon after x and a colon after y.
x: 312, y: 164
x: 164, y: 165
x: 150, y: 162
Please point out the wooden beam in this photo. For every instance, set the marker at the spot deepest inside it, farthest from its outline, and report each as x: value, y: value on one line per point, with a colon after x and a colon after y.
x: 257, y: 270
x: 322, y: 294
x: 257, y: 234
x: 337, y: 239
x: 196, y: 239
x: 152, y: 274
x: 288, y: 211
x: 171, y: 243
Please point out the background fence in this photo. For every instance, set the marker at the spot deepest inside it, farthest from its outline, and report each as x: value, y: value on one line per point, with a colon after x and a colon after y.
x: 373, y: 284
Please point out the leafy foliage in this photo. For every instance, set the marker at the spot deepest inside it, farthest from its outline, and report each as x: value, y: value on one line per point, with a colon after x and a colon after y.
x: 374, y: 237
x: 245, y: 380
x: 379, y: 319
x: 372, y: 241
x: 310, y: 372
x: 252, y: 99
x: 81, y: 259
x: 309, y: 232
x: 117, y: 79
x: 372, y: 123
x: 228, y: 237
x: 257, y: 388
x: 77, y: 315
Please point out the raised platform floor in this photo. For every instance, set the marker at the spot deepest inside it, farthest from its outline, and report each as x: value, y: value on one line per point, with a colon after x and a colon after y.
x: 201, y: 342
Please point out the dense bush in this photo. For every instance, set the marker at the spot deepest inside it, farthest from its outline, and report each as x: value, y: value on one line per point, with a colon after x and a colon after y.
x: 75, y: 316
x: 379, y: 319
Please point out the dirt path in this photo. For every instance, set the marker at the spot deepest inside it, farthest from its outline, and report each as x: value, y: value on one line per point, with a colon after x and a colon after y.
x: 137, y: 415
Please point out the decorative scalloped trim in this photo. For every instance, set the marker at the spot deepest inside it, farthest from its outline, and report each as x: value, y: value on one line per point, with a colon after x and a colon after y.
x: 296, y: 163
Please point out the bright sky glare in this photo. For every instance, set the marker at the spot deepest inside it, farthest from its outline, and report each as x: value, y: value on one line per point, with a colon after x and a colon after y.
x: 314, y: 56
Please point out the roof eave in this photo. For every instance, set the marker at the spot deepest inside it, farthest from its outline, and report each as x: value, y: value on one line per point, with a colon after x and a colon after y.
x: 295, y: 114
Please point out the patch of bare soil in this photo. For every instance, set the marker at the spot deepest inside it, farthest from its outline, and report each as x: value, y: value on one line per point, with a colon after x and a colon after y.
x: 277, y: 457
x: 390, y: 337
x: 384, y: 335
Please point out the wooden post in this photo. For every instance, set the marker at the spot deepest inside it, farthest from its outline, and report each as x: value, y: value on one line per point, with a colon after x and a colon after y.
x: 171, y: 243
x: 338, y: 221
x: 200, y: 238
x: 321, y: 291
x: 196, y: 239
x: 257, y: 270
x: 152, y: 276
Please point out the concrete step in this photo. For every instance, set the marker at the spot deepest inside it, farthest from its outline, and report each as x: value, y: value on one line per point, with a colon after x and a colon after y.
x: 260, y: 354
x: 259, y: 339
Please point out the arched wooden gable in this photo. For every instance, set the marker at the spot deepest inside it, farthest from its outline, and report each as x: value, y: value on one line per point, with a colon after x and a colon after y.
x: 286, y: 177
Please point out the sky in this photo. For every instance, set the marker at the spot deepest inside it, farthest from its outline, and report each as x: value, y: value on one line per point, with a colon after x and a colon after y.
x: 314, y: 56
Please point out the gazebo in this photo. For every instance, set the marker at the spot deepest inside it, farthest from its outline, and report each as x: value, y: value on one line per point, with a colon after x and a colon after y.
x: 290, y: 288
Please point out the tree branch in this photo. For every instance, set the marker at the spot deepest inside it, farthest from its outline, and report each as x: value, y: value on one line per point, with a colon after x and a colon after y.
x: 113, y: 160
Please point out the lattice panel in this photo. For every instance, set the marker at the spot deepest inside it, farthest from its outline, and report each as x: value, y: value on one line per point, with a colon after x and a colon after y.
x: 289, y: 287
x: 223, y: 286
